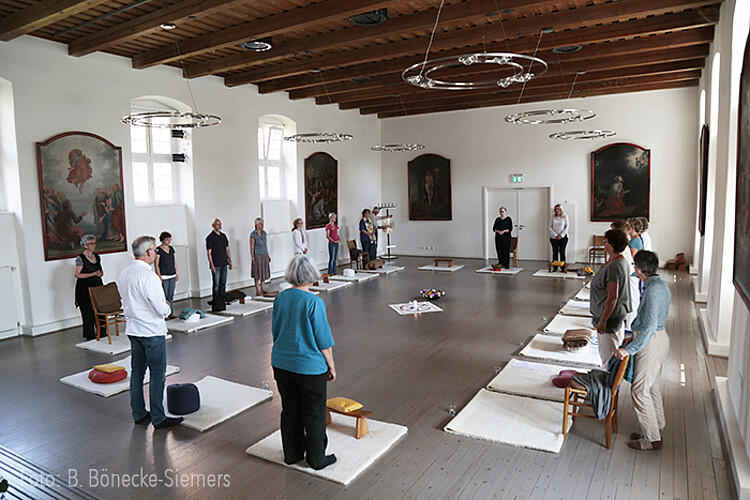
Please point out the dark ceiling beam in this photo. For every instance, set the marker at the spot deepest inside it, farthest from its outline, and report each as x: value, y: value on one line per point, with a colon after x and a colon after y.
x: 303, y: 17
x: 578, y: 18
x: 612, y: 88
x: 41, y: 14
x: 675, y: 39
x: 147, y: 23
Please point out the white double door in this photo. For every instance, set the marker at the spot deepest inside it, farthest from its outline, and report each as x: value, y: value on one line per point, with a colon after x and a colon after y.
x: 529, y: 209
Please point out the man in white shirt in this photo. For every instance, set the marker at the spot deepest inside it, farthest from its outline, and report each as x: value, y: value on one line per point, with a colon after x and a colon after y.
x: 145, y: 307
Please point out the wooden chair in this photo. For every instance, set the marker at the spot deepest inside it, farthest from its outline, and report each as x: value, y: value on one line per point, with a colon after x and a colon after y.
x: 597, y: 250
x: 360, y: 257
x: 574, y: 391
x: 514, y: 250
x: 107, y: 306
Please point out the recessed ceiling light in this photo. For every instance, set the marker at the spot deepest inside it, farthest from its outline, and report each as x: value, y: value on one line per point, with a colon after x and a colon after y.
x: 363, y: 78
x: 372, y: 18
x: 315, y: 70
x: 567, y: 49
x: 168, y: 26
x: 259, y: 45
x: 547, y: 31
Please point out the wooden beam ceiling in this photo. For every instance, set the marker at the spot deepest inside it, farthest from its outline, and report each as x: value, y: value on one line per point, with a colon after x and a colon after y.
x: 40, y: 15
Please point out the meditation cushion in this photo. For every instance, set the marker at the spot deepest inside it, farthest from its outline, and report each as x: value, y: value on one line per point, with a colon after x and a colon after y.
x: 343, y: 404
x: 183, y: 399
x: 100, y: 377
x: 563, y: 379
x: 109, y: 368
x: 576, y: 338
x: 349, y: 272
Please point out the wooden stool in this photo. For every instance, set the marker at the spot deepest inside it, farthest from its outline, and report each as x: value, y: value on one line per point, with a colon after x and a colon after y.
x: 360, y: 415
x: 325, y: 279
x: 449, y: 261
x: 550, y: 266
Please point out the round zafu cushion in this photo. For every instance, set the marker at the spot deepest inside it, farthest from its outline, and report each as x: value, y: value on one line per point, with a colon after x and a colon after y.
x: 183, y: 399
x: 349, y: 272
x: 100, y: 377
x: 563, y: 379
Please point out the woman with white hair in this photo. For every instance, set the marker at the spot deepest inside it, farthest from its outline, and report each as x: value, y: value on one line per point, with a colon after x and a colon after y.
x: 88, y: 273
x: 260, y: 269
x: 302, y: 361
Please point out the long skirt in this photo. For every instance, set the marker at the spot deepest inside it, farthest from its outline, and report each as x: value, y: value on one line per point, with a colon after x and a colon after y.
x: 261, y: 269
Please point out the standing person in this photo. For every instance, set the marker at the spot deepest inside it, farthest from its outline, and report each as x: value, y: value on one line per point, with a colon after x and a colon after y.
x: 635, y: 294
x: 299, y: 238
x: 636, y: 242
x: 374, y: 218
x: 219, y: 258
x: 366, y: 231
x: 610, y: 295
x: 166, y: 268
x: 302, y: 361
x: 145, y: 307
x: 88, y: 273
x: 259, y: 256
x: 650, y: 346
x: 502, y: 228
x: 647, y: 243
x: 558, y: 233
x: 332, y: 235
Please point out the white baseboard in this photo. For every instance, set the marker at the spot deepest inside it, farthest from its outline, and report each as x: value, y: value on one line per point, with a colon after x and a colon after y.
x: 713, y: 348
x: 9, y: 334
x: 699, y: 297
x: 733, y: 443
x: 52, y: 326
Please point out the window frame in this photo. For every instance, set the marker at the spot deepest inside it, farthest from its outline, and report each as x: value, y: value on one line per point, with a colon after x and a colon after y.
x: 265, y: 130
x: 150, y: 158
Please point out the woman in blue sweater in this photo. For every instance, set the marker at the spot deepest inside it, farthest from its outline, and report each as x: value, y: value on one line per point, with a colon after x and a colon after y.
x: 302, y: 360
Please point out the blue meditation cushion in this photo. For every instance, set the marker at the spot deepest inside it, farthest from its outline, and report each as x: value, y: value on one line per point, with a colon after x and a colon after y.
x: 183, y: 399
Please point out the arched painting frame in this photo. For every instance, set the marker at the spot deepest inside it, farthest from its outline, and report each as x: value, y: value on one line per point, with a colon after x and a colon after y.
x: 741, y: 275
x: 321, y: 189
x: 620, y: 182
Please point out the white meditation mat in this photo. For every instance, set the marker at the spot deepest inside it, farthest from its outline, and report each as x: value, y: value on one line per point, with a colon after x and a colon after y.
x: 489, y: 270
x: 81, y: 380
x: 261, y: 298
x: 561, y: 324
x: 331, y: 286
x: 549, y: 347
x: 120, y: 343
x: 583, y: 294
x: 557, y: 274
x: 386, y: 269
x: 415, y: 307
x: 533, y: 380
x: 246, y: 309
x: 220, y: 401
x: 587, y: 285
x: 353, y: 455
x: 576, y: 308
x: 356, y: 277
x: 210, y: 320
x: 447, y: 269
x: 514, y: 420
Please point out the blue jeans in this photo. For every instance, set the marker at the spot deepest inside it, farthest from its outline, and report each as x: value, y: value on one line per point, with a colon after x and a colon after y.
x: 220, y: 280
x: 148, y: 352
x: 168, y: 286
x: 373, y: 250
x: 333, y: 255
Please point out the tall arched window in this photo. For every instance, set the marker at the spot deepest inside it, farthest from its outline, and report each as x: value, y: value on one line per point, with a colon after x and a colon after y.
x: 270, y: 159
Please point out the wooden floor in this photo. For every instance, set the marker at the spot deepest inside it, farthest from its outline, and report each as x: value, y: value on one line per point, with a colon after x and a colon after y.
x: 408, y: 370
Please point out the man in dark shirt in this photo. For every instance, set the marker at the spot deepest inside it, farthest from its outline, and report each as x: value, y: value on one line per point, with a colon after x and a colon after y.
x: 219, y: 258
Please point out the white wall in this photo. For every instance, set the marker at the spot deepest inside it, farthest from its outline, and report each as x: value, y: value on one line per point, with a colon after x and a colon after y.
x: 484, y: 150
x: 54, y: 93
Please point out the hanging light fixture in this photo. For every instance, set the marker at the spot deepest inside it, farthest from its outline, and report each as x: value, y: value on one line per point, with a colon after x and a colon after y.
x: 553, y: 116
x: 583, y: 134
x: 398, y: 148
x: 320, y: 137
x: 419, y: 74
x: 173, y: 119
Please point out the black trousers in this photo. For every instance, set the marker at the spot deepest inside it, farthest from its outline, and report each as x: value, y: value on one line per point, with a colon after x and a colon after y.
x: 502, y: 247
x: 303, y: 416
x: 89, y: 322
x: 558, y: 248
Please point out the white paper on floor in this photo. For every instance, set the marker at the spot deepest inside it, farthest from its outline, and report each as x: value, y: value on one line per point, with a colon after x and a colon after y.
x: 353, y: 456
x: 446, y: 269
x: 533, y: 380
x: 583, y: 294
x: 246, y: 309
x: 576, y: 308
x: 81, y: 380
x: 514, y: 420
x: 120, y: 344
x: 550, y: 347
x: 209, y: 321
x: 414, y: 307
x: 546, y: 274
x: 561, y: 324
x: 489, y: 270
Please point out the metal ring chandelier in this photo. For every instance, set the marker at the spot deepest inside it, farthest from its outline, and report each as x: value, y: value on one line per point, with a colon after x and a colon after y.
x: 550, y: 116
x: 583, y: 134
x: 395, y: 148
x: 419, y: 74
x: 170, y: 119
x: 319, y: 137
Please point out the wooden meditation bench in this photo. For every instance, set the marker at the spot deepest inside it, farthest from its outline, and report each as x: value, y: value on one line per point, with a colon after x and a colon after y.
x: 360, y: 415
x: 564, y: 266
x: 325, y: 279
x: 449, y: 261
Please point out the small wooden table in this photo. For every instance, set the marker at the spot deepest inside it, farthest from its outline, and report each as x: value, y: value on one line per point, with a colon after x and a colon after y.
x: 449, y: 261
x: 360, y: 415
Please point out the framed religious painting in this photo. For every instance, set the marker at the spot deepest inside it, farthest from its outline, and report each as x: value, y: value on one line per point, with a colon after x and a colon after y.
x: 741, y: 276
x: 620, y: 182
x: 321, y: 189
x: 80, y: 188
x: 703, y: 159
x: 430, y: 188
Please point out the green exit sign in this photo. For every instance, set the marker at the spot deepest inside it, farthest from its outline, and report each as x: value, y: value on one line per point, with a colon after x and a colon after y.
x: 516, y: 178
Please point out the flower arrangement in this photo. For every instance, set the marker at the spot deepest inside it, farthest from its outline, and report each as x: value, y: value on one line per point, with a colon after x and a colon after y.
x: 431, y: 293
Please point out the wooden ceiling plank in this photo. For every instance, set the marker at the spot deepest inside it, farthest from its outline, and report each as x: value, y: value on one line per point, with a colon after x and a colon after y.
x: 302, y: 17
x: 40, y: 15
x: 124, y: 32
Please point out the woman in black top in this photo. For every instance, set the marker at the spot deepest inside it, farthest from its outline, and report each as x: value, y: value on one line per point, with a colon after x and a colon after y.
x: 166, y: 268
x: 88, y: 273
x: 502, y: 228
